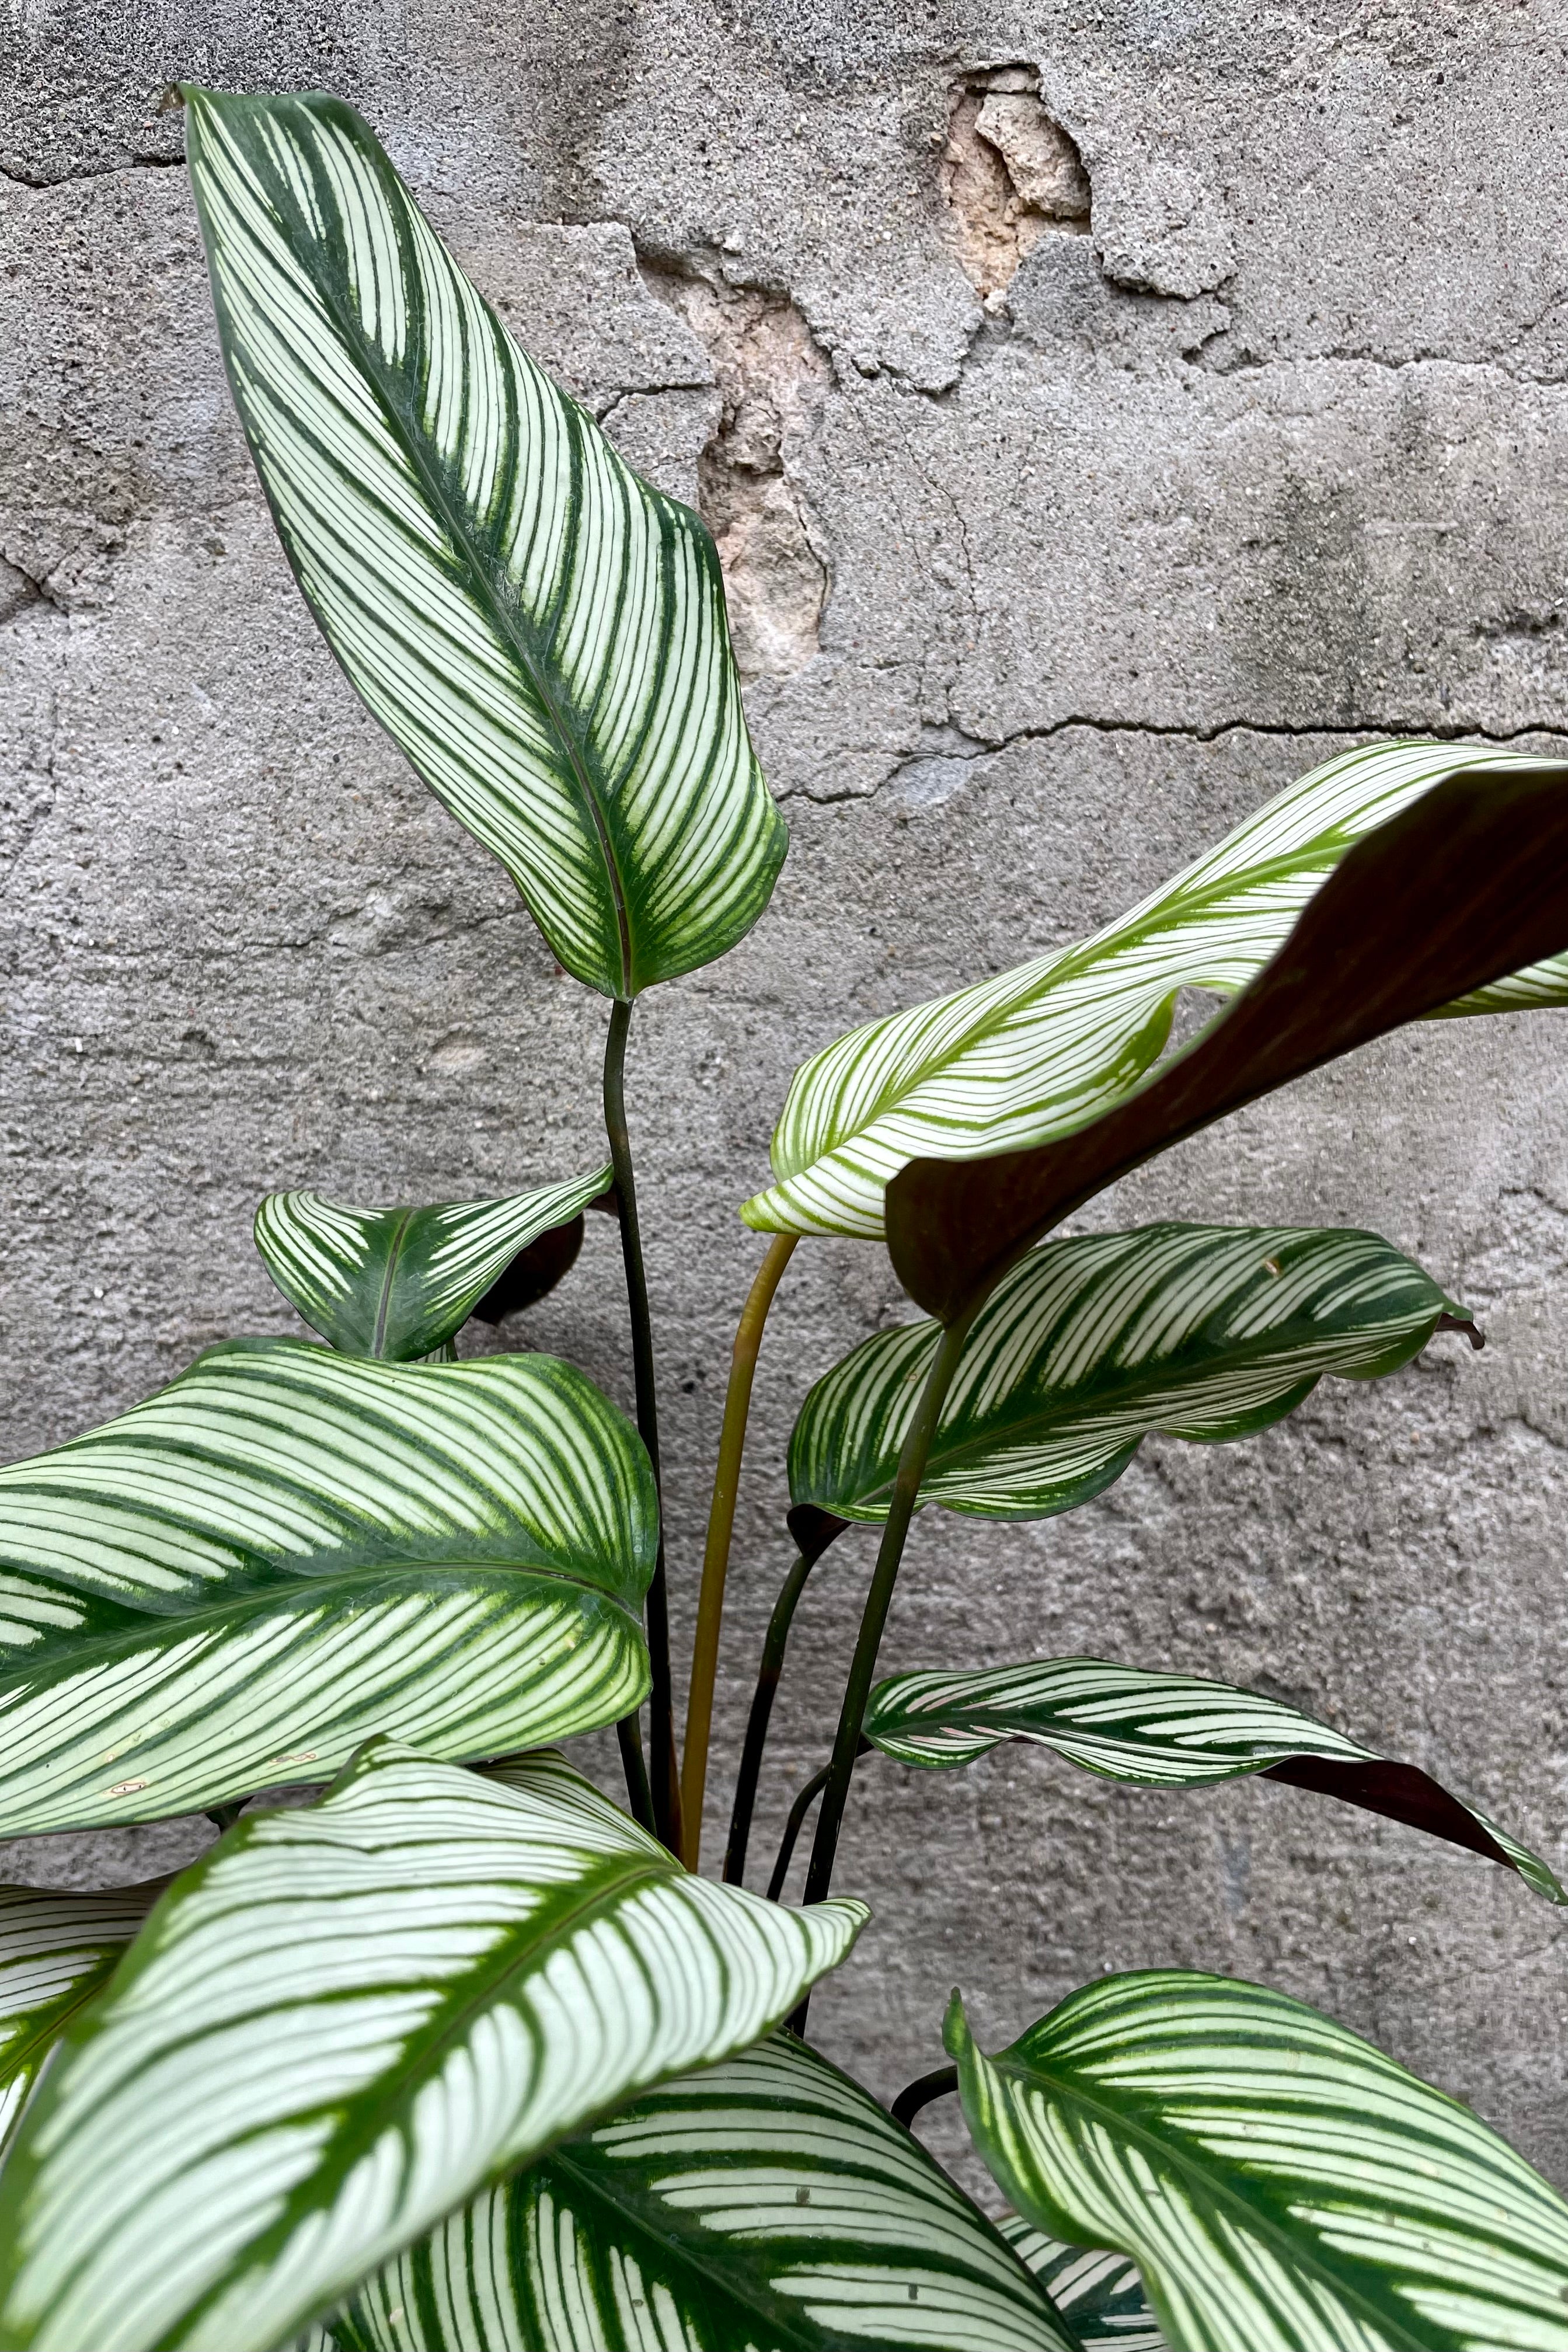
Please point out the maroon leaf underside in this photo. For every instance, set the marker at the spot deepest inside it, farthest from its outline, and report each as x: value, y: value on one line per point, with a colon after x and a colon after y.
x: 1467, y: 885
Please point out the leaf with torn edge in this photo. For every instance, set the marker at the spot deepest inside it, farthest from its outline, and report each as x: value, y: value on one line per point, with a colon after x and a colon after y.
x: 345, y: 2023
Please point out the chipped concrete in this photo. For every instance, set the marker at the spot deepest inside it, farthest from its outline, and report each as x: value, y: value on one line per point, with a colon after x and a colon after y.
x: 1043, y: 576
x: 770, y: 377
x: 1010, y: 173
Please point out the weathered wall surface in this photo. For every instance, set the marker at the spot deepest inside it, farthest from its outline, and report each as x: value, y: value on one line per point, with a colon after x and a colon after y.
x: 1107, y: 412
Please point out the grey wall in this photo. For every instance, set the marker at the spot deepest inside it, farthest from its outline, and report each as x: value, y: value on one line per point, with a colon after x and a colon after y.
x: 1108, y: 411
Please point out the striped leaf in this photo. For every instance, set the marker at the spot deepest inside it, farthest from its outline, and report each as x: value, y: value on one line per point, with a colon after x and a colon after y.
x: 400, y: 1282
x: 1100, y: 2296
x: 539, y: 631
x: 1281, y: 2184
x: 1039, y: 1050
x: 56, y: 1951
x: 1468, y: 883
x: 1169, y: 1731
x: 768, y: 2201
x: 348, y: 2020
x: 1206, y: 1332
x: 286, y: 1551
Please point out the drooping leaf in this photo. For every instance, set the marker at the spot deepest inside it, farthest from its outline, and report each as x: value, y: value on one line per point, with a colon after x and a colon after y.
x: 1039, y: 1050
x: 1169, y: 1731
x: 56, y: 1951
x: 765, y: 2202
x: 1467, y: 885
x: 346, y: 2021
x: 286, y: 1551
x: 1281, y: 2184
x: 539, y: 631
x: 399, y: 1283
x: 1100, y: 2296
x: 1206, y: 1332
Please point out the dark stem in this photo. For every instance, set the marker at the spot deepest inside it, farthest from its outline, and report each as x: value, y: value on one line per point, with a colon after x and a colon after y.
x: 629, y: 1732
x: 768, y: 1672
x: 879, y: 1600
x: 797, y: 1814
x: 921, y: 2092
x: 661, y: 1708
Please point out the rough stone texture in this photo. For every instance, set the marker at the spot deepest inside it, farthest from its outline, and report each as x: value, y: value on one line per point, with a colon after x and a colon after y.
x: 1050, y: 567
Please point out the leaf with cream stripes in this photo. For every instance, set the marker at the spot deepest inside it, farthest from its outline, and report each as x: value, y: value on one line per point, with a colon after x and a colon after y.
x: 1206, y: 1332
x: 1467, y: 883
x: 541, y: 632
x: 286, y: 1551
x: 1281, y: 2184
x: 768, y: 2201
x: 1046, y: 1048
x: 1100, y: 2296
x: 1169, y: 1731
x: 345, y: 2023
x: 58, y: 1950
x: 399, y: 1283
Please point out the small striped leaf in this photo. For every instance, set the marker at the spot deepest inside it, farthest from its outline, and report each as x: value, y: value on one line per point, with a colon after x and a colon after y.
x: 765, y: 2202
x: 1169, y: 1731
x: 1100, y: 2296
x: 539, y: 630
x: 1206, y: 1332
x: 399, y: 1283
x: 1037, y: 1051
x: 346, y: 2021
x: 286, y: 1551
x: 1281, y: 2184
x: 56, y: 1951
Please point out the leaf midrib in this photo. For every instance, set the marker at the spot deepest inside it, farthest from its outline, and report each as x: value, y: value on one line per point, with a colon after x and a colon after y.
x: 454, y: 514
x: 69, y: 1653
x: 391, y: 2098
x: 395, y: 1249
x: 1174, y: 2156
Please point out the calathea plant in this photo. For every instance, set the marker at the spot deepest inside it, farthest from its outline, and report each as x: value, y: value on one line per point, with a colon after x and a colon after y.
x: 462, y: 2055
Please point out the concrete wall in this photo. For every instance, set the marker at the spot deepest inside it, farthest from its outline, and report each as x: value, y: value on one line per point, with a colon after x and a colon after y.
x: 1107, y: 411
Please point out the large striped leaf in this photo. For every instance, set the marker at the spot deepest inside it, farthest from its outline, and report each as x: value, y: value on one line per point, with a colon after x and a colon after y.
x: 56, y: 1951
x: 399, y: 1283
x: 1100, y: 2296
x: 1043, y: 1048
x: 768, y: 2201
x: 286, y: 1551
x: 539, y: 631
x: 1282, y: 2186
x: 1468, y: 883
x: 1169, y: 1731
x: 343, y: 2024
x: 1206, y: 1332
